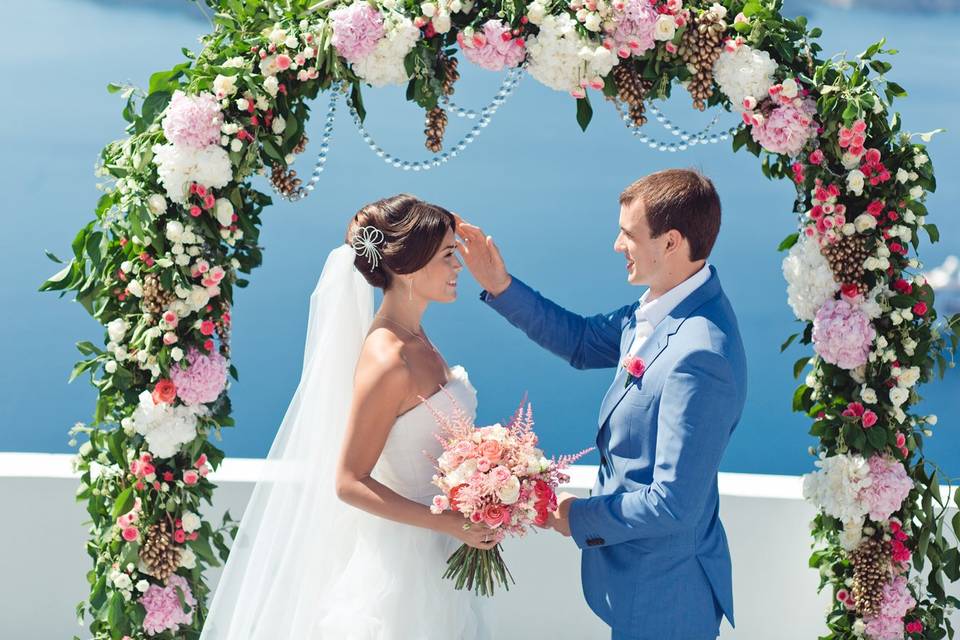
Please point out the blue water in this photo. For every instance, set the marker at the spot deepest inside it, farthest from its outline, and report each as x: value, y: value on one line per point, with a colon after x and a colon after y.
x: 547, y: 192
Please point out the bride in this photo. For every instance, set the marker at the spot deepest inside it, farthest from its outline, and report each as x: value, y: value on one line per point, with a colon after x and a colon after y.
x: 337, y: 541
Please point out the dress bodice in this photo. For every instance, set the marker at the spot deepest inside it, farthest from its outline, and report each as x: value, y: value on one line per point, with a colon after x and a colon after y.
x: 406, y: 463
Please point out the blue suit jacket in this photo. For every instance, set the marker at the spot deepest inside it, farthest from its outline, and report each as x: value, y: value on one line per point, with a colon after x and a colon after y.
x: 653, y: 545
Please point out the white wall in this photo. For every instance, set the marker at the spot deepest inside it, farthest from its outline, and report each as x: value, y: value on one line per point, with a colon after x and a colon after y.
x: 43, y: 562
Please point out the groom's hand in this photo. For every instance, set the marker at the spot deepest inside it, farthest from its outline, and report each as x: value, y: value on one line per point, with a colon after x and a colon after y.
x: 560, y: 519
x: 482, y: 258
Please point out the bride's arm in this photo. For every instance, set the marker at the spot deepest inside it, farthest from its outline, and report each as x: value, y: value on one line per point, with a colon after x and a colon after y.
x: 381, y: 386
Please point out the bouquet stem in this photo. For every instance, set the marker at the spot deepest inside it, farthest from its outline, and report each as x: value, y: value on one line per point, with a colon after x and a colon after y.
x: 478, y: 570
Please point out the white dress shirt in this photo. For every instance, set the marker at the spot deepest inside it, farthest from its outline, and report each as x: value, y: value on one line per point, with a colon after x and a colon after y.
x: 651, y: 313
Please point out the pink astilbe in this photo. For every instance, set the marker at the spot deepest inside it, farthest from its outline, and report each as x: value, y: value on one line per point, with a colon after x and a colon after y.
x: 163, y: 606
x: 193, y: 121
x: 357, y: 28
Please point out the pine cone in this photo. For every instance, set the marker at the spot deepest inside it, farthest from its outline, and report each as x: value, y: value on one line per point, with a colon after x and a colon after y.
x: 286, y: 182
x: 155, y: 300
x: 436, y: 126
x: 159, y: 551
x: 632, y: 90
x: 450, y: 73
x: 846, y: 257
x: 871, y: 570
x: 301, y: 146
x: 700, y: 47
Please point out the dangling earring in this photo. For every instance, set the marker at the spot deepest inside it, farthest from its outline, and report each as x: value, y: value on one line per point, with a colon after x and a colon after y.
x: 410, y: 289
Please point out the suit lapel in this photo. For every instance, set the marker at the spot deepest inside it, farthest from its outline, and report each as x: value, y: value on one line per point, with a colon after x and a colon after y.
x: 657, y: 341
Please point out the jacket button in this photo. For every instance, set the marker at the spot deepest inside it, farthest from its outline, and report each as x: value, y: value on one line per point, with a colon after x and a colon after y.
x: 594, y: 542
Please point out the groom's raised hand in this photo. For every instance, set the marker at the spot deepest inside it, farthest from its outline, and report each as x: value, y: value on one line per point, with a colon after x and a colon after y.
x: 482, y: 258
x: 559, y: 520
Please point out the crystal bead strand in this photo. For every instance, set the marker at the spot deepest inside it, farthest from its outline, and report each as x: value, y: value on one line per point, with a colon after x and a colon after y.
x: 319, y: 165
x: 484, y: 115
x: 687, y: 139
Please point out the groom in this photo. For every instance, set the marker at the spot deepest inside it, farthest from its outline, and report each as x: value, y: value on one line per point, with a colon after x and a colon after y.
x: 655, y: 558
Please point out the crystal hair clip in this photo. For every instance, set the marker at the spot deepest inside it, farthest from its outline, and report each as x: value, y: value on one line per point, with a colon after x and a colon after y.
x: 366, y: 243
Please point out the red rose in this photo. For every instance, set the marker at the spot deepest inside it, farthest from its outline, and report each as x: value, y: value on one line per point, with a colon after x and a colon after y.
x: 914, y: 626
x: 164, y: 392
x: 920, y: 309
x: 454, y: 505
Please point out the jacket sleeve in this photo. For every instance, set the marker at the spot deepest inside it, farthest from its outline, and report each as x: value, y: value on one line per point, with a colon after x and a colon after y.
x: 696, y: 416
x: 586, y: 343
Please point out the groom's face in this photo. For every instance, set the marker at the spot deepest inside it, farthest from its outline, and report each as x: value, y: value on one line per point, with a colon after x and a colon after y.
x: 644, y: 254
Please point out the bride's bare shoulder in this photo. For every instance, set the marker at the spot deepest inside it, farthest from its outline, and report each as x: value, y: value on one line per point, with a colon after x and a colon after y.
x: 381, y: 360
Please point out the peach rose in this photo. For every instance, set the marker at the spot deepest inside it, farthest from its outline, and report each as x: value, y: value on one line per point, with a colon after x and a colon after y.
x: 164, y: 392
x: 494, y: 515
x: 491, y: 450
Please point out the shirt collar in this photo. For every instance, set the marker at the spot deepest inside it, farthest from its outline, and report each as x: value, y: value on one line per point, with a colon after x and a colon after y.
x: 656, y: 310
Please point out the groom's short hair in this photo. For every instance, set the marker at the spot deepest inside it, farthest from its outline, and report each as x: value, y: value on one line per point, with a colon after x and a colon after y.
x: 681, y: 199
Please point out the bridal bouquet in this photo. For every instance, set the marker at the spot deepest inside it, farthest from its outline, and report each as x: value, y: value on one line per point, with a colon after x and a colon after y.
x: 496, y: 476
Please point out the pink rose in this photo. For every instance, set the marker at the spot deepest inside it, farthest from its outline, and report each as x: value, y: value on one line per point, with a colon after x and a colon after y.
x: 501, y: 474
x: 130, y: 534
x: 283, y: 62
x: 870, y: 419
x: 495, y: 514
x: 191, y: 477
x: 634, y: 366
x: 491, y: 450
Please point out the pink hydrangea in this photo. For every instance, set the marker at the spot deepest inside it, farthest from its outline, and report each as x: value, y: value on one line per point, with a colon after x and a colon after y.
x: 356, y: 30
x: 787, y: 128
x: 897, y: 601
x: 193, y: 121
x: 889, y: 487
x: 163, y: 607
x: 494, y: 49
x: 842, y: 334
x: 635, y: 20
x: 203, y: 380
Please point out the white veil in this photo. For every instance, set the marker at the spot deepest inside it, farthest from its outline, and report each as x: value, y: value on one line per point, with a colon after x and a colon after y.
x: 283, y: 559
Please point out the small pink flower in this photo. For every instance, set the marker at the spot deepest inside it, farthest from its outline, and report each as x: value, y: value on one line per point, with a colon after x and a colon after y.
x: 180, y: 536
x: 635, y: 366
x: 206, y: 327
x: 914, y: 626
x: 816, y: 156
x: 190, y: 477
x: 901, y: 440
x: 283, y: 62
x: 870, y: 419
x: 130, y: 534
x: 202, y: 460
x: 171, y: 319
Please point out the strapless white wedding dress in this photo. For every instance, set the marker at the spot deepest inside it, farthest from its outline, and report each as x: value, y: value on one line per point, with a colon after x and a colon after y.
x: 392, y: 587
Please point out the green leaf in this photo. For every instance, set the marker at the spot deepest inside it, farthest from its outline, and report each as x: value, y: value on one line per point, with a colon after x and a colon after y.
x: 816, y: 32
x: 53, y: 257
x: 877, y: 437
x: 584, y: 112
x: 357, y: 99
x: 58, y: 280
x: 115, y: 616
x: 154, y: 104
x: 789, y: 241
x: 933, y: 232
x: 124, y: 502
x: 113, y: 87
x: 800, y: 365
x: 872, y: 49
x: 896, y: 90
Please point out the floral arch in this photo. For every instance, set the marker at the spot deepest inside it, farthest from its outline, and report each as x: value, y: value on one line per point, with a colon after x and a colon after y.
x: 177, y: 231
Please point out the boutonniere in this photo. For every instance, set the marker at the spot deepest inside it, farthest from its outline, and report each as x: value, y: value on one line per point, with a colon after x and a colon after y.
x: 635, y: 367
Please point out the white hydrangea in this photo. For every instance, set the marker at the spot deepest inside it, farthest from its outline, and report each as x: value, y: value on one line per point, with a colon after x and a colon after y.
x: 178, y: 166
x: 165, y: 427
x: 836, y: 485
x: 810, y: 281
x: 384, y: 65
x: 744, y: 72
x: 560, y: 58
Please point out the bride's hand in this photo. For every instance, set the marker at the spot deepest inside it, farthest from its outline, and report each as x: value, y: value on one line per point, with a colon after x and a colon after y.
x: 478, y: 536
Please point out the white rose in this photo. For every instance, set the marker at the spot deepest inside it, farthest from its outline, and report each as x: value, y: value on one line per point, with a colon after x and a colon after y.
x: 899, y: 395
x: 665, y: 28
x: 278, y: 125
x: 428, y: 9
x: 592, y: 23
x: 859, y: 627
x: 157, y: 204
x: 510, y: 492
x: 142, y: 586
x: 224, y: 85
x: 188, y: 560
x: 111, y: 366
x: 174, y: 231
x: 271, y: 85
x: 870, y: 264
x: 921, y: 159
x: 932, y: 420
x: 223, y: 210
x: 441, y: 23
x: 909, y: 377
x: 177, y: 354
x: 291, y: 42
x: 243, y: 104
x: 455, y: 6
x: 535, y: 12
x: 789, y: 88
x: 848, y: 229
x: 236, y: 145
x: 864, y: 222
x: 190, y: 521
x: 902, y: 176
x: 868, y: 395
x: 916, y: 192
x: 117, y: 329
x: 855, y: 182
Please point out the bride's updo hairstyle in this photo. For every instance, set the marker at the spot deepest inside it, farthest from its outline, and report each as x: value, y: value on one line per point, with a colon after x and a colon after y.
x: 412, y: 233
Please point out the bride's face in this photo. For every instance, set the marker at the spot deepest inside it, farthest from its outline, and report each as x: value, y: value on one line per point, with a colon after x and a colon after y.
x: 437, y: 281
